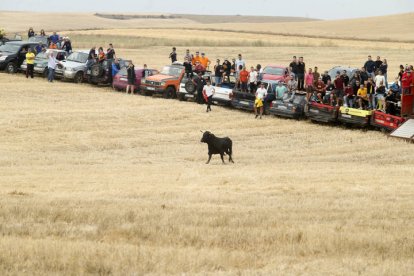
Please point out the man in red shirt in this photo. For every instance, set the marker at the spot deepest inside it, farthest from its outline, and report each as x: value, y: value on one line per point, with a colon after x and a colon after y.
x: 244, y: 78
x: 349, y: 96
x: 320, y: 89
x: 407, y: 82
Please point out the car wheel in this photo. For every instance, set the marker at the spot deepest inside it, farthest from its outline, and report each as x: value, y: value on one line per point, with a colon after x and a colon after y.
x: 78, y: 77
x: 169, y: 93
x: 11, y: 68
x: 190, y: 87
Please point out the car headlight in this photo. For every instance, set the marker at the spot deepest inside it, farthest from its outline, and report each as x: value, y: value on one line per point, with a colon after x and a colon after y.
x: 162, y: 83
x: 3, y: 57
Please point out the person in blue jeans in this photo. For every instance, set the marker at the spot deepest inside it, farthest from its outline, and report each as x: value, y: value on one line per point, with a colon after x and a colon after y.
x: 51, y: 66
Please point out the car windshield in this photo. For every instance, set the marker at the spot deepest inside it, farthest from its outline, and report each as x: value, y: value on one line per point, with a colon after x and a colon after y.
x: 78, y: 57
x: 123, y: 72
x: 42, y: 39
x: 9, y: 47
x: 171, y: 71
x: 41, y: 55
x: 274, y: 71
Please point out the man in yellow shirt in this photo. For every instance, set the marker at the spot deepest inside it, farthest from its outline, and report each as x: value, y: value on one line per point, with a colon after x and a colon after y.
x: 362, y: 97
x: 204, y: 61
x: 30, y: 57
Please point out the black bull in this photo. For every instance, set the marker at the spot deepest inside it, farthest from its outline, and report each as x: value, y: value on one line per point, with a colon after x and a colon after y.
x: 218, y: 145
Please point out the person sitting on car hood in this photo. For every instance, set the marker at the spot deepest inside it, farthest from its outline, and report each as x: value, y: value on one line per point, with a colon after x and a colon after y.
x: 199, y: 68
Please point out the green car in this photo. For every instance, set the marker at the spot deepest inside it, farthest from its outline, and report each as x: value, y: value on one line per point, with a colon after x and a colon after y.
x: 41, y: 60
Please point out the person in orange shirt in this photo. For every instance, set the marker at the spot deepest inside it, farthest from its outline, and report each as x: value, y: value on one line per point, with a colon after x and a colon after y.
x: 196, y: 58
x: 52, y: 46
x: 204, y: 61
x: 243, y: 78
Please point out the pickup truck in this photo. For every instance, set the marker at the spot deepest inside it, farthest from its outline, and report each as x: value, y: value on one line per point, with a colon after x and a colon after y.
x: 166, y: 83
x: 13, y: 54
x: 74, y: 67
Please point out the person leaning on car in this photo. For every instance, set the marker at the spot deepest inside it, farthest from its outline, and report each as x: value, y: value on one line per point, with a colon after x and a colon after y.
x: 199, y: 83
x: 218, y: 73
x: 91, y: 57
x: 30, y: 57
x: 110, y: 52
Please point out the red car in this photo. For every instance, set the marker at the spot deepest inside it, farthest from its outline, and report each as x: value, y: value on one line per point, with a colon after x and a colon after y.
x: 120, y: 80
x: 274, y: 72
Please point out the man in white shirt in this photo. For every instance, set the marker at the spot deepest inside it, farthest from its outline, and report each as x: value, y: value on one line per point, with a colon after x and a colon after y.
x: 51, y: 65
x: 258, y: 103
x: 208, y: 92
x: 239, y: 62
x: 253, y: 79
x: 379, y: 78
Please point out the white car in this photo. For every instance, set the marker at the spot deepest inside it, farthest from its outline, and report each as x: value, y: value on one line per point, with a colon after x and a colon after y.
x: 222, y: 93
x: 74, y: 67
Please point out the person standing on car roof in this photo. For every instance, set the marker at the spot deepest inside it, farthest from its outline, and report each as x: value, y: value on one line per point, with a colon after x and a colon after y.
x: 54, y: 38
x: 293, y: 66
x: 239, y: 62
x: 226, y: 68
x: 30, y: 57
x: 218, y: 73
x: 325, y: 77
x: 384, y: 69
x: 173, y: 55
x: 309, y: 84
x: 301, y: 74
x: 316, y: 76
x: 110, y: 52
x: 370, y: 67
x: 208, y: 93
x: 243, y: 78
x: 205, y: 61
x: 188, y: 68
x: 131, y: 78
x: 188, y: 56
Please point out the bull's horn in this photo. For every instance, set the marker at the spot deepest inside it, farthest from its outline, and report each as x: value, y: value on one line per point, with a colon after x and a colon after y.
x: 201, y: 131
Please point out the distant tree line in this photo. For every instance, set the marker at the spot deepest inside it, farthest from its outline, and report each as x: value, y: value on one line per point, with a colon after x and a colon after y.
x: 141, y: 16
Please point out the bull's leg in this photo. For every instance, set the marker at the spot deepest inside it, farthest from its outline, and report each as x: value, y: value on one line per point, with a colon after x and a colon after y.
x: 231, y: 159
x: 209, y: 158
x: 222, y: 157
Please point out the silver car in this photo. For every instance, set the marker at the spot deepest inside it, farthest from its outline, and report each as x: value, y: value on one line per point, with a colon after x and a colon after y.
x: 74, y: 67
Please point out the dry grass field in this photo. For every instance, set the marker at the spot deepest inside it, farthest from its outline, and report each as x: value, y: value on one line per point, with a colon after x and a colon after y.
x: 98, y: 182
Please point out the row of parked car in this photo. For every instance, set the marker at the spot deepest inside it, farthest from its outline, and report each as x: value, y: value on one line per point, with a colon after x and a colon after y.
x: 172, y: 82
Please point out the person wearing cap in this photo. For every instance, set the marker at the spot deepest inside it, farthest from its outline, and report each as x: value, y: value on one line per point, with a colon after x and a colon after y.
x: 258, y: 103
x: 218, y: 73
x: 197, y: 58
x: 173, y: 55
x: 407, y: 81
x: 204, y: 61
x: 208, y: 93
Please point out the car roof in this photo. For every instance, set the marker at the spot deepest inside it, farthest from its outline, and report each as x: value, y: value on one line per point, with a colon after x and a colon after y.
x: 19, y: 42
x: 81, y: 51
x: 276, y: 66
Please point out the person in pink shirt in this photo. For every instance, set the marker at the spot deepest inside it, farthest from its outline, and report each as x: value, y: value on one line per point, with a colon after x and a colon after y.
x: 309, y: 83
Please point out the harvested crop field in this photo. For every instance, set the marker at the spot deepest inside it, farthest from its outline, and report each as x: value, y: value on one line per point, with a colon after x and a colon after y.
x: 99, y: 182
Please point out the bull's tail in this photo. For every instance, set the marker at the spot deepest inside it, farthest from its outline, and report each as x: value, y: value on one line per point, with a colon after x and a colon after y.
x: 230, y: 150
